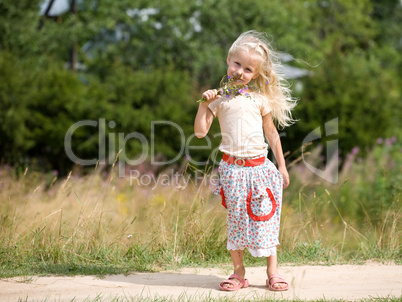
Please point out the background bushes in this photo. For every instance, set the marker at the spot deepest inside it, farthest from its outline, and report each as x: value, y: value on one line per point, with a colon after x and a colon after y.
x: 149, y: 61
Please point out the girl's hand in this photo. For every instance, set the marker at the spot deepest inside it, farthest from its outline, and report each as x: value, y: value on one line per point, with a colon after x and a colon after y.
x: 285, y: 176
x: 210, y: 95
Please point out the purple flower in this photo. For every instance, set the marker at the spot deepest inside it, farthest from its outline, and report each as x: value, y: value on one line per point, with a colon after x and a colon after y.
x: 267, y: 83
x: 355, y: 150
x: 388, y: 142
x: 227, y: 87
x: 393, y: 139
x: 379, y: 140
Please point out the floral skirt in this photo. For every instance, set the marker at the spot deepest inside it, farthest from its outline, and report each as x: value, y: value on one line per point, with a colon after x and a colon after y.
x: 253, y: 198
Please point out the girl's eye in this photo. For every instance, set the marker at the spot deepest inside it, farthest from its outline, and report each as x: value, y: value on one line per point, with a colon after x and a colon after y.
x: 248, y: 69
x: 237, y: 63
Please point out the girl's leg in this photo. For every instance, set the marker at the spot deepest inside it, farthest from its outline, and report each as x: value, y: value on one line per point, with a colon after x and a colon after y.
x: 272, y: 269
x: 237, y: 258
x: 238, y: 266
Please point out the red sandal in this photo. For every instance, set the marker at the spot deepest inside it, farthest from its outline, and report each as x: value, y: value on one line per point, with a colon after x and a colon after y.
x: 280, y: 280
x: 236, y: 286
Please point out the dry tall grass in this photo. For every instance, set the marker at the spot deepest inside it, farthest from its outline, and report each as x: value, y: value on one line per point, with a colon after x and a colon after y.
x: 100, y: 218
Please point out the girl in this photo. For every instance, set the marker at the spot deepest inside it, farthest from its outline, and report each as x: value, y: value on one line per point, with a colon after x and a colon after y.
x: 250, y: 185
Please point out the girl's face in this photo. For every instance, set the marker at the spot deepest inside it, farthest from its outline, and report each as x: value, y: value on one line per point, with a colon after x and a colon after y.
x: 245, y: 64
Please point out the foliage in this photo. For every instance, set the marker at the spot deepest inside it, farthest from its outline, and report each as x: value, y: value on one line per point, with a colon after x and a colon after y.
x: 367, y: 110
x: 149, y: 60
x: 13, y: 108
x: 18, y: 26
x: 140, y: 97
x: 356, y: 80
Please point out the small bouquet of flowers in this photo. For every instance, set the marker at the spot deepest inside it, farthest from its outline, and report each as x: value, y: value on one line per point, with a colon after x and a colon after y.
x: 228, y: 88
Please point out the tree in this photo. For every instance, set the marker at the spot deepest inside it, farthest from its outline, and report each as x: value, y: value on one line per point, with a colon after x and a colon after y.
x: 149, y: 60
x: 355, y: 81
x: 15, y: 89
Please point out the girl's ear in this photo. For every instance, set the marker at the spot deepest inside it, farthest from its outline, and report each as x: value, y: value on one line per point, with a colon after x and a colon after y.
x: 256, y: 75
x: 228, y: 59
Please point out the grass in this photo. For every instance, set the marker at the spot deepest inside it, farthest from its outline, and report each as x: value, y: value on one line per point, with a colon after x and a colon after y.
x: 98, y: 223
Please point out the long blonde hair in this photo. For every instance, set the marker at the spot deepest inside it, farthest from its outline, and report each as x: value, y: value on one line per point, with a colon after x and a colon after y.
x: 271, y: 82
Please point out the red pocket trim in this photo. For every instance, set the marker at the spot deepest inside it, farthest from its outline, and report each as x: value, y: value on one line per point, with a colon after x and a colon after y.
x: 223, y: 198
x: 261, y: 218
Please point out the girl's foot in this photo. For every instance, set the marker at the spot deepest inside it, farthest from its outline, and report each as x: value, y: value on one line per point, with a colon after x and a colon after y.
x: 276, y: 283
x: 234, y: 282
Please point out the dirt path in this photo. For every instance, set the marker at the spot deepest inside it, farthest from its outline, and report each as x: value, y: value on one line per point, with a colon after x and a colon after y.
x: 348, y: 282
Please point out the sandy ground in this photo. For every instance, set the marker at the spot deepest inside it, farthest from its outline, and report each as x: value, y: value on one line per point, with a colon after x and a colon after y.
x: 348, y: 282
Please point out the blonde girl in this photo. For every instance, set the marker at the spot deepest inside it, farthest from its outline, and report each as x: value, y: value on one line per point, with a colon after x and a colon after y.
x: 250, y: 185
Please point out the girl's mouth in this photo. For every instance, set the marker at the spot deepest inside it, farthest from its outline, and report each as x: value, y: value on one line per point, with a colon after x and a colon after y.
x: 236, y: 78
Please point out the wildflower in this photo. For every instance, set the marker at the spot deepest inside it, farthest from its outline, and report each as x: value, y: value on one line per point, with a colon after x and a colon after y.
x: 228, y: 88
x: 388, y: 142
x: 379, y: 140
x: 355, y: 150
x: 121, y: 198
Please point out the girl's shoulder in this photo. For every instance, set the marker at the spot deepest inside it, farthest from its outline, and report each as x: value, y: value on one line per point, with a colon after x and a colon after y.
x: 258, y: 96
x: 262, y: 101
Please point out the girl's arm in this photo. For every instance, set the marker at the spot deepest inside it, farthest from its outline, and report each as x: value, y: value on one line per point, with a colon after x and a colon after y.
x: 204, y: 117
x: 274, y: 142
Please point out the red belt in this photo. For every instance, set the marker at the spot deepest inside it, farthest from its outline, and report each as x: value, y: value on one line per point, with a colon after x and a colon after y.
x: 240, y: 162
